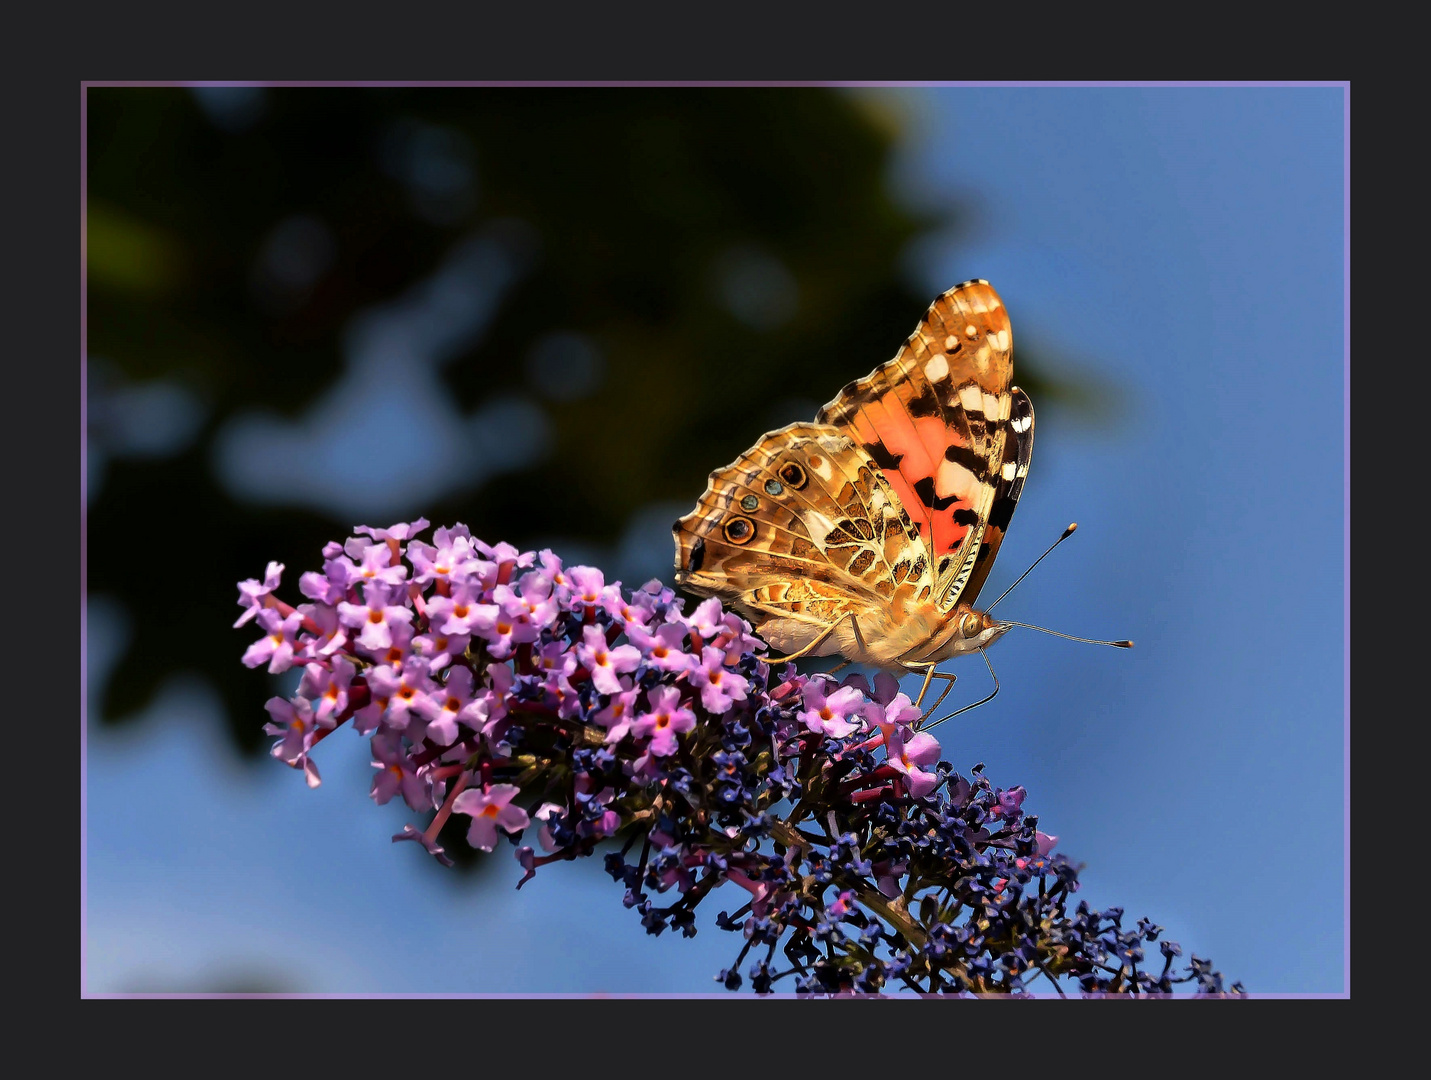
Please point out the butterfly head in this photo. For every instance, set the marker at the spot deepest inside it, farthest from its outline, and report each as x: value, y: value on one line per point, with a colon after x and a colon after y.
x: 978, y: 630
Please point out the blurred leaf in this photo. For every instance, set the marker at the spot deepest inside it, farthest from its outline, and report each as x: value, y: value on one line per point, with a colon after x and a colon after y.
x: 127, y: 255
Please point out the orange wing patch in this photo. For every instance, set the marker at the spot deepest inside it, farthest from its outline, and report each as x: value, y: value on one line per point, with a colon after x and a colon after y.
x: 934, y: 419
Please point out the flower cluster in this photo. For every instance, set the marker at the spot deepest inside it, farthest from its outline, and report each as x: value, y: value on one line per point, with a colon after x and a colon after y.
x: 503, y: 687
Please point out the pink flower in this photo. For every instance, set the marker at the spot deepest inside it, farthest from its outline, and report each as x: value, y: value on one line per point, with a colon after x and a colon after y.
x: 379, y: 564
x: 293, y: 720
x: 735, y: 638
x: 331, y: 636
x: 586, y: 585
x: 491, y: 809
x: 829, y: 714
x: 907, y: 753
x: 443, y: 707
x: 452, y: 557
x: 382, y: 681
x: 276, y: 649
x: 706, y: 619
x: 664, y: 649
x: 251, y: 593
x: 532, y: 599
x: 332, y: 585
x: 329, y: 688
x: 551, y: 569
x: 619, y: 714
x: 664, y: 722
x: 401, y: 531
x: 719, y: 686
x: 626, y: 613
x: 899, y: 711
x: 501, y: 629
x: 556, y: 660
x: 375, y: 618
x: 404, y: 690
x: 438, y: 649
x: 460, y: 613
x: 396, y: 775
x: 604, y: 662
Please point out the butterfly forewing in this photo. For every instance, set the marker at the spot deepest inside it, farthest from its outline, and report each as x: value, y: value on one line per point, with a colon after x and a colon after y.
x: 1018, y: 448
x: 935, y: 419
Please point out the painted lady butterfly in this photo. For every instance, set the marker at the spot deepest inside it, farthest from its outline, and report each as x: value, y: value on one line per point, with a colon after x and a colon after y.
x: 870, y: 532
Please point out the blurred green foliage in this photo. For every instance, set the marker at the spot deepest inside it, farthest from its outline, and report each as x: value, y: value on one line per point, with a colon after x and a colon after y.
x: 630, y: 202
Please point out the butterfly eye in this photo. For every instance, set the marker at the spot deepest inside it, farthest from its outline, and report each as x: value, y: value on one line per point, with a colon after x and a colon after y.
x: 972, y: 625
x: 793, y: 475
x: 750, y: 502
x: 739, y: 530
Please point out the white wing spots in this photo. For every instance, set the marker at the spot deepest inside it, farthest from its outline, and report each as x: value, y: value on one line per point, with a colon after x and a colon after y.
x: 954, y: 479
x: 951, y: 342
x: 971, y: 331
x: 1021, y: 423
x: 937, y: 369
x: 996, y: 406
x: 1010, y: 469
x: 971, y: 397
x: 1001, y: 340
x: 822, y: 467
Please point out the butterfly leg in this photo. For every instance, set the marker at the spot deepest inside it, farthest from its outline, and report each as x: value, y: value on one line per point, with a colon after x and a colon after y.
x: 927, y: 667
x: 981, y: 701
x: 930, y: 674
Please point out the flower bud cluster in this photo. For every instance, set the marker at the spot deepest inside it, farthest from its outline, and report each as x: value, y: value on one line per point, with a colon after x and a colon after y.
x: 527, y: 697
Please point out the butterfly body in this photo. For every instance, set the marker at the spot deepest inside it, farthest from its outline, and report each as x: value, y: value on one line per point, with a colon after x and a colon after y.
x: 869, y: 532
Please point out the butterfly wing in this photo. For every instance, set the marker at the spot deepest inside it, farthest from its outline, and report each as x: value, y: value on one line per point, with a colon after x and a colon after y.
x: 1007, y: 489
x: 938, y: 421
x: 800, y: 532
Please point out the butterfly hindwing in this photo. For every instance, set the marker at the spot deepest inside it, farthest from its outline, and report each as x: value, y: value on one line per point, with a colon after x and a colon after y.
x: 935, y: 419
x: 799, y: 533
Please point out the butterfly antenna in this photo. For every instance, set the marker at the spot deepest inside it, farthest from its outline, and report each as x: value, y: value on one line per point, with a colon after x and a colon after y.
x: 975, y: 705
x: 1066, y: 534
x: 1043, y: 629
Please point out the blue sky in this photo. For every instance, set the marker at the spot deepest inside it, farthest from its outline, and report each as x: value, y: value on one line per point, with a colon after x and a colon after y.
x: 1181, y: 246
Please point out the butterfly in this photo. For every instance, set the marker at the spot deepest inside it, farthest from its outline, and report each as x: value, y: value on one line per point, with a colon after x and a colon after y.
x: 870, y: 532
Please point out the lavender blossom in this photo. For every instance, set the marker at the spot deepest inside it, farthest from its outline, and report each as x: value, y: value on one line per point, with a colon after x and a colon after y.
x: 502, y: 686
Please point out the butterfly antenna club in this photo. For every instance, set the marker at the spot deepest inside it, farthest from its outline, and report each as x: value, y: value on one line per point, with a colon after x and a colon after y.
x: 1125, y: 644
